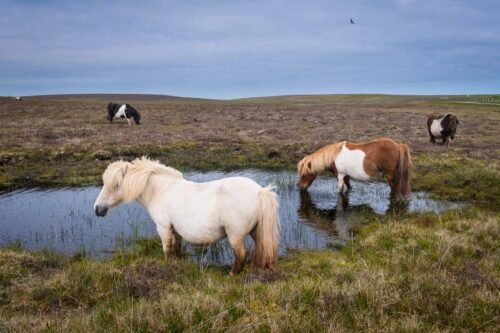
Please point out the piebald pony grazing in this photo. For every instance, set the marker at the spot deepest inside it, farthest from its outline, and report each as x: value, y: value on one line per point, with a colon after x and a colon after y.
x: 361, y: 161
x: 117, y: 111
x: 200, y: 213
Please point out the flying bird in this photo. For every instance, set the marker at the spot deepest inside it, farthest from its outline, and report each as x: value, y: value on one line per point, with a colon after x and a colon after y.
x: 352, y: 22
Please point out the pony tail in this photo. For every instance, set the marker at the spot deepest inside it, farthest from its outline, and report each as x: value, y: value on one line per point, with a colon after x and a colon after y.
x: 403, y: 173
x: 265, y: 254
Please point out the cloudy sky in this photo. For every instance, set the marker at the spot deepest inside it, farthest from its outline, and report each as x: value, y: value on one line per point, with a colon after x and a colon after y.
x: 230, y: 49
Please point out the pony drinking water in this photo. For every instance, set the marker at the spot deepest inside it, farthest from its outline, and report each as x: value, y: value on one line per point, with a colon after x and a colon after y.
x: 361, y: 161
x: 200, y: 213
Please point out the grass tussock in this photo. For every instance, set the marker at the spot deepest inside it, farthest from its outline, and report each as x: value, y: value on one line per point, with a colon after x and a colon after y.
x: 419, y: 273
x: 458, y: 178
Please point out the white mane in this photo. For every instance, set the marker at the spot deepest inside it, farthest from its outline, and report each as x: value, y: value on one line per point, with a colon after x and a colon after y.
x: 145, y: 165
x: 133, y: 176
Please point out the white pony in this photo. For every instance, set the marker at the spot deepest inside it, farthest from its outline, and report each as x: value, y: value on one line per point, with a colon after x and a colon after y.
x: 200, y: 213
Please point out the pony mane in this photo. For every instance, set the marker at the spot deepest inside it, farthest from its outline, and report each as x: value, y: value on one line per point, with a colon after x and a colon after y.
x: 133, y: 176
x: 138, y: 174
x: 145, y: 165
x: 114, y: 174
x: 319, y: 160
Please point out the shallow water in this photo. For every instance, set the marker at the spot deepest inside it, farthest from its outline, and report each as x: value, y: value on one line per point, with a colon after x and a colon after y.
x: 63, y: 219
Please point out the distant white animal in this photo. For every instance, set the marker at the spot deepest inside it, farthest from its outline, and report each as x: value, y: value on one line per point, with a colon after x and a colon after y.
x: 18, y: 98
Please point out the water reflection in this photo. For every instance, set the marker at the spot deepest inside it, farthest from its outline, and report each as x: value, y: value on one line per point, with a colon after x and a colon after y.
x: 398, y: 207
x: 63, y: 220
x: 339, y: 220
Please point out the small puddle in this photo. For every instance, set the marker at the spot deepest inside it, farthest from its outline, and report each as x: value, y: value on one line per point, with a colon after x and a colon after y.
x: 63, y: 220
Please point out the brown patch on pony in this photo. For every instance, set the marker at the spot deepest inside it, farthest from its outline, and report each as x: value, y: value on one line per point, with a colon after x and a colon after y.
x: 392, y: 159
x: 381, y: 155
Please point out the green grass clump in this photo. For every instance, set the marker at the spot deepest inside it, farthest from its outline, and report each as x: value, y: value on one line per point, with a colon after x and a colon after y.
x: 414, y: 273
x: 458, y: 178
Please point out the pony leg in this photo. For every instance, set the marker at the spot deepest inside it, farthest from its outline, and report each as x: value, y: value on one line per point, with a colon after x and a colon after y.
x: 238, y: 245
x: 347, y: 181
x: 166, y: 238
x: 128, y: 119
x: 341, y: 182
x: 176, y: 243
x: 390, y: 180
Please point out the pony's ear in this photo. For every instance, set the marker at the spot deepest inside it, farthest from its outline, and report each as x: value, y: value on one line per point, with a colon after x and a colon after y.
x: 302, y: 168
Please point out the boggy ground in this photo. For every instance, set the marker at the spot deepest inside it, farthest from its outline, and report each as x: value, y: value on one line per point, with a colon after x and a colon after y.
x: 66, y: 140
x: 402, y: 273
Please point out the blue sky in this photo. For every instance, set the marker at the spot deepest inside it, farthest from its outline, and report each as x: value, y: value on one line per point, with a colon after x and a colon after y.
x: 230, y: 49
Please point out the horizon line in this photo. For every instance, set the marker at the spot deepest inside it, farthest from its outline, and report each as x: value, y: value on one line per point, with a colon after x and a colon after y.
x: 249, y: 97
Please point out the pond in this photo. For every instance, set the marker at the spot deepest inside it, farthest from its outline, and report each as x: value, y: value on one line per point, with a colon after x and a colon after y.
x: 63, y: 219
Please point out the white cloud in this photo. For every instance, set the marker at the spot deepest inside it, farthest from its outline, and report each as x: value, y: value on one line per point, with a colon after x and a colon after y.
x: 179, y: 44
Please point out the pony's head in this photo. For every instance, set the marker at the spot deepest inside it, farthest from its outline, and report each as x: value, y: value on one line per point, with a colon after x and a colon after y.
x: 311, y: 165
x: 110, y: 111
x: 450, y: 123
x: 112, y: 191
x: 137, y: 117
x: 127, y: 181
x: 305, y: 173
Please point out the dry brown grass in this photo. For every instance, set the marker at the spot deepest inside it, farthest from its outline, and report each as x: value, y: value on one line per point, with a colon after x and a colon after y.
x: 294, y: 123
x: 68, y: 141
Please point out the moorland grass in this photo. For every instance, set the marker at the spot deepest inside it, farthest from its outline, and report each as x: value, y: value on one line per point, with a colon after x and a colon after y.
x: 417, y: 272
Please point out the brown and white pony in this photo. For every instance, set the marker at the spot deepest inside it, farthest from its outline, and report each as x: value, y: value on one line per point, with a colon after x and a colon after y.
x: 361, y: 161
x: 442, y: 127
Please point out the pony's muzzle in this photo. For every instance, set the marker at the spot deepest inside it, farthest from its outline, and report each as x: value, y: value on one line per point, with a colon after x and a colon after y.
x: 101, y: 210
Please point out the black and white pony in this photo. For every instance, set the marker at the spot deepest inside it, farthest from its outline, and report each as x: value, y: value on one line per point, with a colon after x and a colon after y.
x: 442, y: 127
x: 116, y: 111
